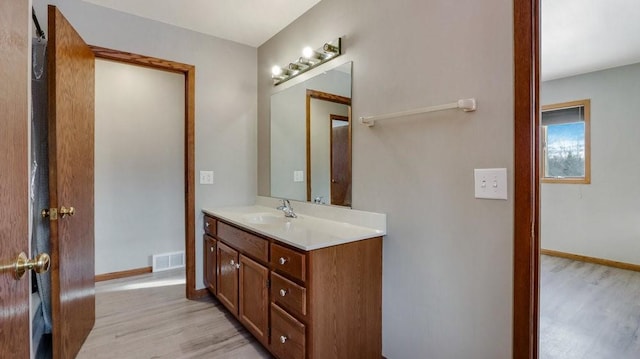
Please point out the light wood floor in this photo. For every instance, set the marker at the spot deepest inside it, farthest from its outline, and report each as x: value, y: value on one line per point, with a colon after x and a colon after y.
x: 588, y: 311
x: 148, y: 316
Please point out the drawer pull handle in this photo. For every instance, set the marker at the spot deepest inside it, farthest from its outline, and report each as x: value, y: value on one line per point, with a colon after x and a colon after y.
x: 283, y: 260
x: 206, y: 224
x: 283, y: 292
x: 283, y: 339
x: 232, y: 262
x: 211, y: 249
x: 238, y: 266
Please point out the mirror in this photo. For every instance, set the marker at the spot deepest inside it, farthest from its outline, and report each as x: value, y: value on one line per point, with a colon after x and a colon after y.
x: 311, y: 139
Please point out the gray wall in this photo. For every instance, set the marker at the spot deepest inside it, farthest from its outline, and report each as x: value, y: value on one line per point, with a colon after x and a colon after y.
x: 225, y: 112
x: 448, y: 264
x: 139, y: 164
x: 601, y: 219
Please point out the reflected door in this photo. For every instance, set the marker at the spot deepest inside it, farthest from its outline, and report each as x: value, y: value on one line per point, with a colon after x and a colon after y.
x: 340, y: 161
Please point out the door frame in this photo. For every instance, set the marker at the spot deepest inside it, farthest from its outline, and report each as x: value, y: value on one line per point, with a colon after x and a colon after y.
x: 526, y: 255
x: 189, y: 147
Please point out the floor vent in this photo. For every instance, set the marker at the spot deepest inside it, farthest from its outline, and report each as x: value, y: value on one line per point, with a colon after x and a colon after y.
x: 166, y: 261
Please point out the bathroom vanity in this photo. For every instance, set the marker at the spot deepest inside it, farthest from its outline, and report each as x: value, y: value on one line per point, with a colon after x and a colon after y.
x: 306, y: 287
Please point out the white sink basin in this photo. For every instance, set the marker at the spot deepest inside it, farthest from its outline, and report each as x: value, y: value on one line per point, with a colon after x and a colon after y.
x: 263, y: 218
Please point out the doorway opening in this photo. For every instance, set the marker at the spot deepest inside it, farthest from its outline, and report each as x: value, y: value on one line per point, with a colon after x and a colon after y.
x: 188, y: 71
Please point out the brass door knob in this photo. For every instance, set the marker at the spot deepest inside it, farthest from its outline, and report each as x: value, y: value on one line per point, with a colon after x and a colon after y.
x: 40, y: 264
x: 64, y: 211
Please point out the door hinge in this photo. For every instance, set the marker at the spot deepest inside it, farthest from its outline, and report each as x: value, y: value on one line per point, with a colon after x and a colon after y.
x: 52, y: 213
x: 268, y: 284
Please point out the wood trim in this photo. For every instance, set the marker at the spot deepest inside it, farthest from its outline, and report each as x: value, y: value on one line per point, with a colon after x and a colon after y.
x: 594, y: 260
x: 326, y: 97
x: 526, y: 173
x: 123, y: 274
x: 586, y: 103
x: 200, y: 293
x: 140, y: 60
x: 189, y: 145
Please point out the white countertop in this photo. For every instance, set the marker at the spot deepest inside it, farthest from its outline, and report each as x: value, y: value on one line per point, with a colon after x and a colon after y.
x: 306, y: 232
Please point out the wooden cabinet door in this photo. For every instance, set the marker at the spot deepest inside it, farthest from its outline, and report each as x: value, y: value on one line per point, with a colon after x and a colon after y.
x: 254, y: 298
x: 210, y: 262
x: 227, y: 268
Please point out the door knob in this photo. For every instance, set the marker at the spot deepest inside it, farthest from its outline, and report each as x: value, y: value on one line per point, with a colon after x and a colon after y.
x: 64, y: 211
x: 40, y: 265
x: 53, y: 213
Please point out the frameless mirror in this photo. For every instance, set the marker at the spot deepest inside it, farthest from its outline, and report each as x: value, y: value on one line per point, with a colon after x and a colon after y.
x: 311, y: 139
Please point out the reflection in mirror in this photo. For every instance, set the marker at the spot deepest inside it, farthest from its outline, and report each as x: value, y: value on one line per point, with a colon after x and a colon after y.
x: 311, y: 139
x: 328, y: 148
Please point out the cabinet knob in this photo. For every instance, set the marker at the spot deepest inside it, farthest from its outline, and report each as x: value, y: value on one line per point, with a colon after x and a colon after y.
x: 283, y: 260
x: 211, y: 249
x: 283, y: 292
x: 238, y: 266
x: 232, y: 262
x: 206, y: 224
x: 283, y: 339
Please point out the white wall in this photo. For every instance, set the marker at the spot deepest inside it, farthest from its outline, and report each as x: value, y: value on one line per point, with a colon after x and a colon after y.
x: 601, y: 219
x: 448, y: 258
x: 139, y: 165
x: 225, y: 114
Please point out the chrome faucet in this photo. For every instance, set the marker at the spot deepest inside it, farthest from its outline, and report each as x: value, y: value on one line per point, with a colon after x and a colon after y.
x: 287, y: 209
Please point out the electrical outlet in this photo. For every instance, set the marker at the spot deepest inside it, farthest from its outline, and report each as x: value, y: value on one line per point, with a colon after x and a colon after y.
x: 490, y: 183
x: 206, y: 177
x: 298, y: 176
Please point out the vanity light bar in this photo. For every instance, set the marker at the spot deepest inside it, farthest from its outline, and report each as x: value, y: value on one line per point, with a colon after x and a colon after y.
x: 309, y: 60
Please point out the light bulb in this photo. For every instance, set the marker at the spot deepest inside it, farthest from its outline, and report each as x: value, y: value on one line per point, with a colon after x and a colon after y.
x: 276, y: 71
x: 307, y: 52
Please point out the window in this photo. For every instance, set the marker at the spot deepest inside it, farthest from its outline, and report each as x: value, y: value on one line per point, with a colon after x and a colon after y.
x: 564, y: 133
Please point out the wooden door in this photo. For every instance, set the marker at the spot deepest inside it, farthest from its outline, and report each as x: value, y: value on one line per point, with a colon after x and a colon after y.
x: 254, y: 298
x: 340, y: 161
x: 71, y: 135
x: 210, y: 262
x: 228, y: 277
x: 14, y: 165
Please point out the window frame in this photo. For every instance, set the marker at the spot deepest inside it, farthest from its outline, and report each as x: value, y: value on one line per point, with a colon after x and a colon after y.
x: 586, y: 179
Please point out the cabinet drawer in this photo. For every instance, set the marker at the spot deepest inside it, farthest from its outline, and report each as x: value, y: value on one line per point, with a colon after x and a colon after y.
x: 287, y: 335
x: 288, y: 295
x: 288, y: 261
x: 209, y: 226
x: 244, y: 242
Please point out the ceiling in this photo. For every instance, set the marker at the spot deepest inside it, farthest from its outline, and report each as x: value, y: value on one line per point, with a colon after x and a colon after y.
x: 580, y: 36
x: 249, y: 22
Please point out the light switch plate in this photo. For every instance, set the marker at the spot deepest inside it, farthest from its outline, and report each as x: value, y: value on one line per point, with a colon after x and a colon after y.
x: 490, y: 183
x: 298, y: 176
x: 206, y: 177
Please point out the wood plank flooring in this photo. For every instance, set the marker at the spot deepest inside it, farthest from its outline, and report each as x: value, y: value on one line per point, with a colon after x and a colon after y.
x: 588, y: 311
x: 147, y: 316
